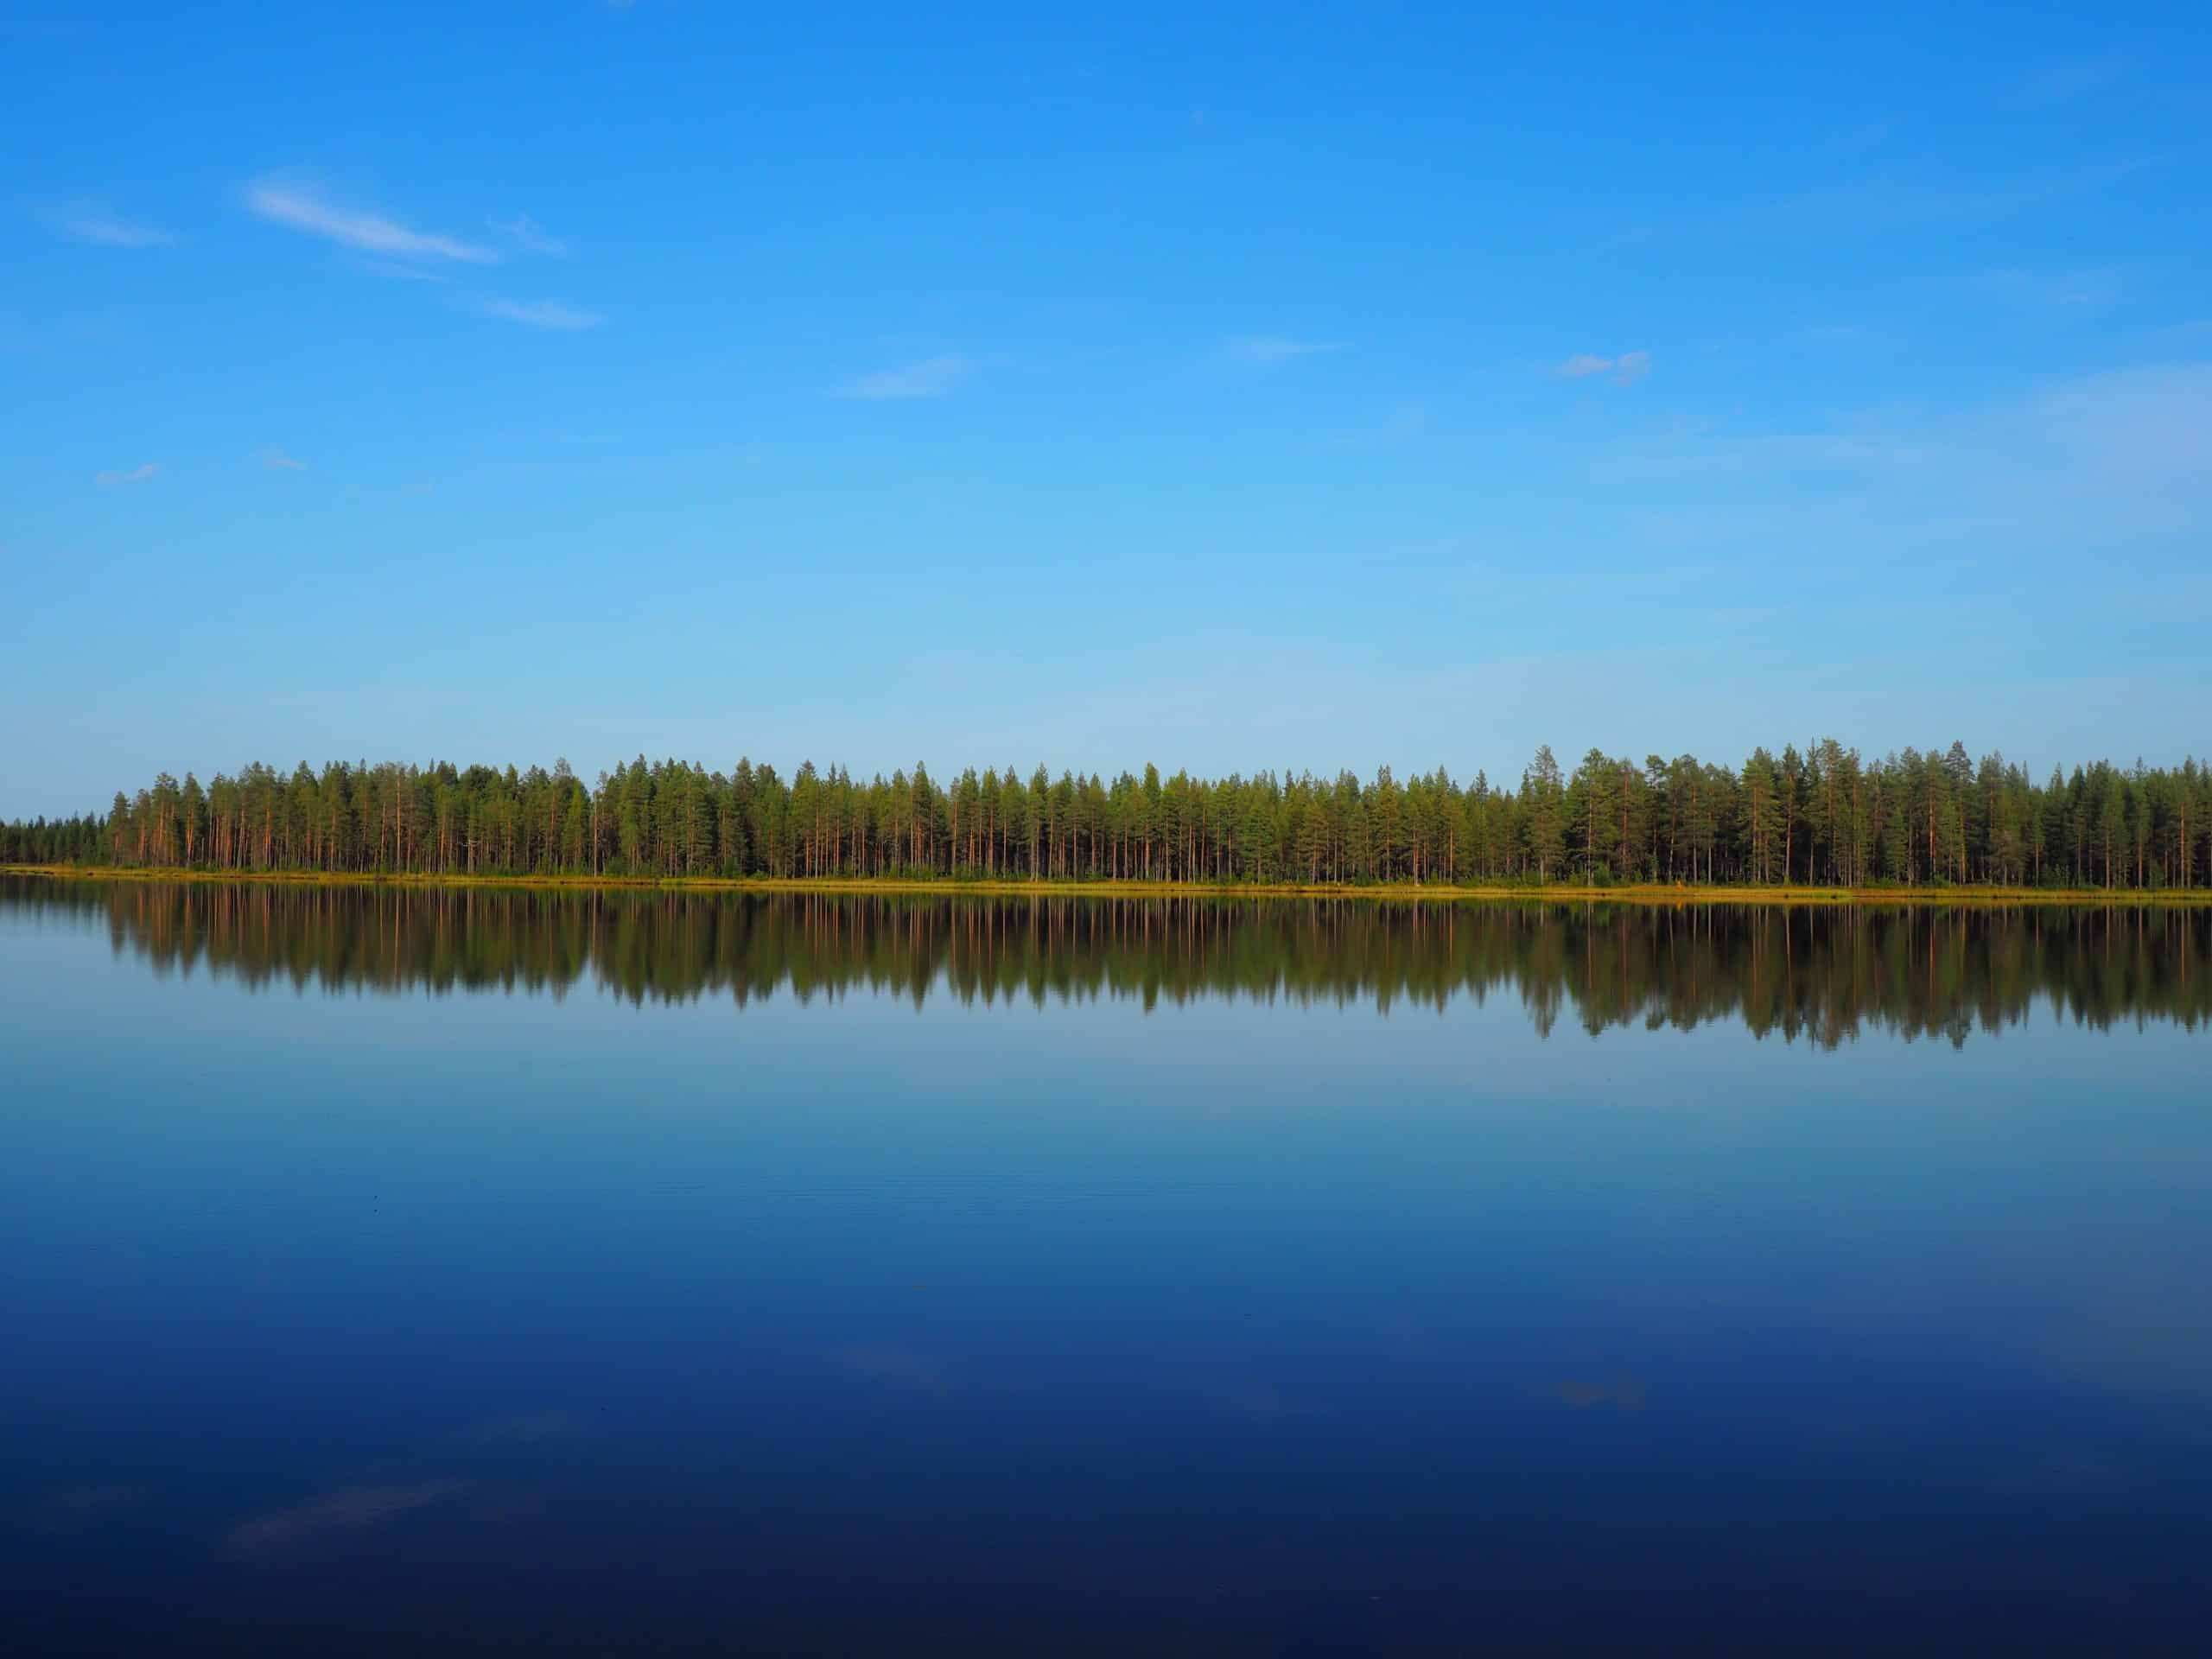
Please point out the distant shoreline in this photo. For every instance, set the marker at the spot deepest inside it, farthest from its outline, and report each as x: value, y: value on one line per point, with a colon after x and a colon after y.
x: 1399, y: 892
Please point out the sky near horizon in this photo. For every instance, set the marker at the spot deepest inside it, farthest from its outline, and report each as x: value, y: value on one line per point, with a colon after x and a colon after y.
x: 1229, y: 388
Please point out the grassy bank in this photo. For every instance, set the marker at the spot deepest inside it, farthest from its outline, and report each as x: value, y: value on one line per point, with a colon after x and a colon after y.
x: 1644, y: 894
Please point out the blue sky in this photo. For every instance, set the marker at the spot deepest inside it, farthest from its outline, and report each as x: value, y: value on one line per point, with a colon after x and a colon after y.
x: 1224, y: 387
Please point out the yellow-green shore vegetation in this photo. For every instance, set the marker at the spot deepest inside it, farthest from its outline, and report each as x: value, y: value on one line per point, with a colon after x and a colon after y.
x: 1396, y: 891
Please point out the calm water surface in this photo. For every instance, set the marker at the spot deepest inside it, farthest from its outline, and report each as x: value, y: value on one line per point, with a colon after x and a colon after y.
x: 392, y: 1273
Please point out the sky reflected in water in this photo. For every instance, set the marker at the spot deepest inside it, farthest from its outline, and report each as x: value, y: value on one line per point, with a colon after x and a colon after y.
x: 392, y: 1270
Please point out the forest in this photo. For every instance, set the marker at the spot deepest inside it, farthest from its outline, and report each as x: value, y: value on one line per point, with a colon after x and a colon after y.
x: 1821, y: 817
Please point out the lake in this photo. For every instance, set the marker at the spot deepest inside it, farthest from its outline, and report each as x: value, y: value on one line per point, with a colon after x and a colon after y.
x: 399, y: 1271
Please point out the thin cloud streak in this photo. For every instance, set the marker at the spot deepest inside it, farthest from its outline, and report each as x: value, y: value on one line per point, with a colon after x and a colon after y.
x: 2106, y: 461
x: 932, y: 377
x: 277, y: 461
x: 351, y: 1510
x: 1626, y: 369
x: 2062, y: 291
x: 87, y: 222
x: 138, y: 474
x: 528, y: 235
x: 304, y: 208
x: 1271, y: 351
x: 2070, y: 78
x: 544, y: 313
x: 1902, y: 199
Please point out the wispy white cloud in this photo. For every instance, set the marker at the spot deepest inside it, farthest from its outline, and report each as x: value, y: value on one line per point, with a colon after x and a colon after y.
x: 1904, y: 198
x: 2183, y: 336
x: 1622, y: 1392
x: 2082, y: 290
x: 277, y: 461
x: 2100, y: 461
x: 137, y: 474
x: 544, y: 313
x: 351, y: 1510
x: 1626, y: 369
x: 2067, y: 78
x: 302, y: 206
x: 932, y: 377
x: 2143, y: 435
x: 1271, y: 351
x: 525, y: 235
x: 1797, y: 455
x: 87, y: 221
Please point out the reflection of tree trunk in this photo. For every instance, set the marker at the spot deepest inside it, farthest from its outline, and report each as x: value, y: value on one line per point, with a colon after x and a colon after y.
x: 1624, y: 849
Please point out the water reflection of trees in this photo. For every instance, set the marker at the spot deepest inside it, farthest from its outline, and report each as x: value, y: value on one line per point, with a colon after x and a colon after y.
x: 1814, y: 972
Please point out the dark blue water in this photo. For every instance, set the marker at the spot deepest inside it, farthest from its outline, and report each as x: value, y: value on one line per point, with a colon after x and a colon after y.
x: 393, y: 1274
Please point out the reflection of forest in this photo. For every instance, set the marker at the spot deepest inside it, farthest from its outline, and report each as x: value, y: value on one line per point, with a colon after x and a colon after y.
x: 1816, y: 972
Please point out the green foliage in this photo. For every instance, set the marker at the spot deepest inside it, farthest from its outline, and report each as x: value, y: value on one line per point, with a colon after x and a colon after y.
x: 1822, y: 816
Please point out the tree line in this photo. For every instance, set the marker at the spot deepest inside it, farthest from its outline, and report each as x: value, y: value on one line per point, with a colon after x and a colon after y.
x: 1821, y: 817
x: 1821, y: 973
